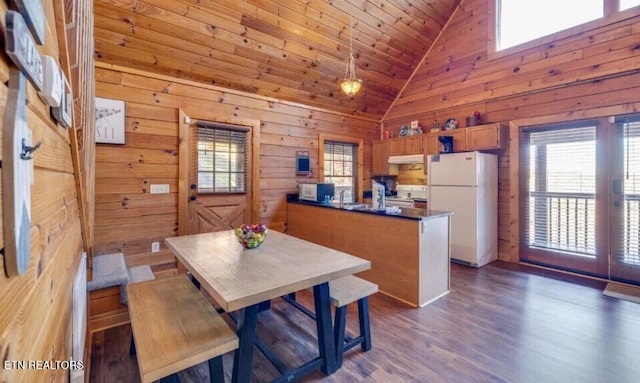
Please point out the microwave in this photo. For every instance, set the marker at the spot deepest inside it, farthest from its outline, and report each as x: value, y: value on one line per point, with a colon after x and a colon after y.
x: 315, y: 191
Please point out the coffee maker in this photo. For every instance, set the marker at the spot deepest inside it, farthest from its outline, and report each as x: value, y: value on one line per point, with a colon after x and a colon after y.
x: 446, y: 144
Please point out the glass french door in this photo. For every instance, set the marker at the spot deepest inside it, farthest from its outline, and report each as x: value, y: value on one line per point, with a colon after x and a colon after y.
x: 580, y: 197
x: 625, y: 200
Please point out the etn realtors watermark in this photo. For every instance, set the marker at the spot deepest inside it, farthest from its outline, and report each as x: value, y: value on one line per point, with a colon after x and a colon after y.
x: 43, y: 365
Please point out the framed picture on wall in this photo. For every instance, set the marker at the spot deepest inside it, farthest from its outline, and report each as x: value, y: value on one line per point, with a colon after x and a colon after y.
x: 109, y: 121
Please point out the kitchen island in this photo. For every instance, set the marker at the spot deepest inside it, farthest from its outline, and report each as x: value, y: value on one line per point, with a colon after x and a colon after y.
x: 409, y: 252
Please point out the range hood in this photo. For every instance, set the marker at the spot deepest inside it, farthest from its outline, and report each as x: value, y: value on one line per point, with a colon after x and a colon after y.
x: 407, y: 159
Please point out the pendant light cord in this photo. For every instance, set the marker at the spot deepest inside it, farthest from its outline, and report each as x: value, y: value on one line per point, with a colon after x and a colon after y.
x: 350, y: 65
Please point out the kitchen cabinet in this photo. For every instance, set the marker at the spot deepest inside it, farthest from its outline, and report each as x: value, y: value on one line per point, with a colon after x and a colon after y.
x: 396, y: 146
x: 409, y: 252
x: 486, y: 137
x: 405, y: 145
x: 481, y: 137
x: 459, y: 139
x: 430, y: 143
x: 413, y: 144
x: 380, y: 159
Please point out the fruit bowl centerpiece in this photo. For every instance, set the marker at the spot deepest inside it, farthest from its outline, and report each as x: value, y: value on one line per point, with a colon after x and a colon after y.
x: 251, y: 236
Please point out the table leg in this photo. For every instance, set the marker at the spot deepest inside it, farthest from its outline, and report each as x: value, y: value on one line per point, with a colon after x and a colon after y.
x: 326, y: 343
x: 243, y: 356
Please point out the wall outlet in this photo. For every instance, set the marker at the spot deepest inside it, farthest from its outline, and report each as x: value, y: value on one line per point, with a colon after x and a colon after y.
x: 155, y: 247
x: 159, y: 188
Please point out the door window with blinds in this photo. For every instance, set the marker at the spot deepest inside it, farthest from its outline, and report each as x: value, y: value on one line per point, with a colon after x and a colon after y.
x: 221, y: 159
x: 339, y: 168
x: 580, y: 197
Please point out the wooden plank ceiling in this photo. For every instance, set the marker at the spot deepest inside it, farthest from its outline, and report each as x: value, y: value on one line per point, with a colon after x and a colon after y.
x: 293, y: 50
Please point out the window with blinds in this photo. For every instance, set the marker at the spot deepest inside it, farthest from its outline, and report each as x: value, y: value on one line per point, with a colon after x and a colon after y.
x: 629, y: 249
x: 222, y: 159
x: 559, y: 189
x: 339, y: 168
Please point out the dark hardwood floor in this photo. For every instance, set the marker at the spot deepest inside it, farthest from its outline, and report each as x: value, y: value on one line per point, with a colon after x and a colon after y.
x: 502, y: 323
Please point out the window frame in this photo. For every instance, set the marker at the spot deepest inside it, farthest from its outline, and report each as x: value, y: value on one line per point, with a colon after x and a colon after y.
x: 358, y: 176
x: 246, y: 172
x: 629, y: 238
x: 333, y: 177
x: 611, y: 15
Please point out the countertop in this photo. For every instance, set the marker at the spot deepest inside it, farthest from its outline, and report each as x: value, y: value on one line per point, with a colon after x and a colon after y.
x: 406, y: 213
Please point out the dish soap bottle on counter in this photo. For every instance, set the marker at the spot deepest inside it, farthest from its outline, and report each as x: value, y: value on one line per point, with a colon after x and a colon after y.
x: 377, y: 191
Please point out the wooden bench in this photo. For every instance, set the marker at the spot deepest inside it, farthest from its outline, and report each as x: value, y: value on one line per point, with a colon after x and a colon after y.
x: 344, y: 291
x: 174, y: 327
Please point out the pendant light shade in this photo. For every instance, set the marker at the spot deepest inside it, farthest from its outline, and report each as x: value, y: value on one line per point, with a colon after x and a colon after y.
x: 351, y: 84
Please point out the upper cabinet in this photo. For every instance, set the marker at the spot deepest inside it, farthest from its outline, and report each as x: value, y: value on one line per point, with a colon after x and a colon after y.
x: 405, y: 145
x: 430, y: 143
x: 459, y: 139
x: 413, y: 144
x: 487, y: 137
x: 481, y: 137
x: 396, y: 146
x: 380, y: 159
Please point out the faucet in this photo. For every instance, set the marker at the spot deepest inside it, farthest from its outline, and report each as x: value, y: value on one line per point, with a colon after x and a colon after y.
x: 342, y: 198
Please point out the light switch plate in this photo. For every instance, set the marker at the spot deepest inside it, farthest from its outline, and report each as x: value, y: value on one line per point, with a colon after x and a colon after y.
x: 52, y: 87
x: 155, y: 247
x: 62, y: 114
x: 159, y: 188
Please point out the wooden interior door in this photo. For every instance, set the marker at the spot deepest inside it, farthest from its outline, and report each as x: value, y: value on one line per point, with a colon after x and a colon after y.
x: 204, y: 206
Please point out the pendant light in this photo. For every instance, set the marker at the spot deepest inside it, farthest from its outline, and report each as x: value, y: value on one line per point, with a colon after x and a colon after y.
x: 351, y: 85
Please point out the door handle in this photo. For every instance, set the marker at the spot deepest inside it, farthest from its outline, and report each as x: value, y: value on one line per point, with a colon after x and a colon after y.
x: 193, y: 186
x: 193, y: 198
x: 618, y: 186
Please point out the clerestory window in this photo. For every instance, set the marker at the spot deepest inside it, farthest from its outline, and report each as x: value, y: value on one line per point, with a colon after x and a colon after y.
x: 519, y: 21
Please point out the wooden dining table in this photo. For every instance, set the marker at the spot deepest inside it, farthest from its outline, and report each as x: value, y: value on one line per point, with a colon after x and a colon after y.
x: 241, y: 279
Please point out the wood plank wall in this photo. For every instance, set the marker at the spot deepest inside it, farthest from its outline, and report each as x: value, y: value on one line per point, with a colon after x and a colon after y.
x: 129, y: 219
x: 79, y: 36
x: 35, y: 314
x: 568, y: 77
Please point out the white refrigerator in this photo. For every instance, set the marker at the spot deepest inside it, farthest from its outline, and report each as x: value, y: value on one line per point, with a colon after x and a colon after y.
x: 467, y: 185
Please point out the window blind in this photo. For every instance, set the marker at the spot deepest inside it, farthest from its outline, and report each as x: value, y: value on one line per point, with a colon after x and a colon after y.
x: 559, y: 188
x: 629, y: 248
x: 339, y: 167
x: 222, y: 159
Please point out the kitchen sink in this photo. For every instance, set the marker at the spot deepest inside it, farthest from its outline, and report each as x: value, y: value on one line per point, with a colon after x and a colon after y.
x: 354, y: 206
